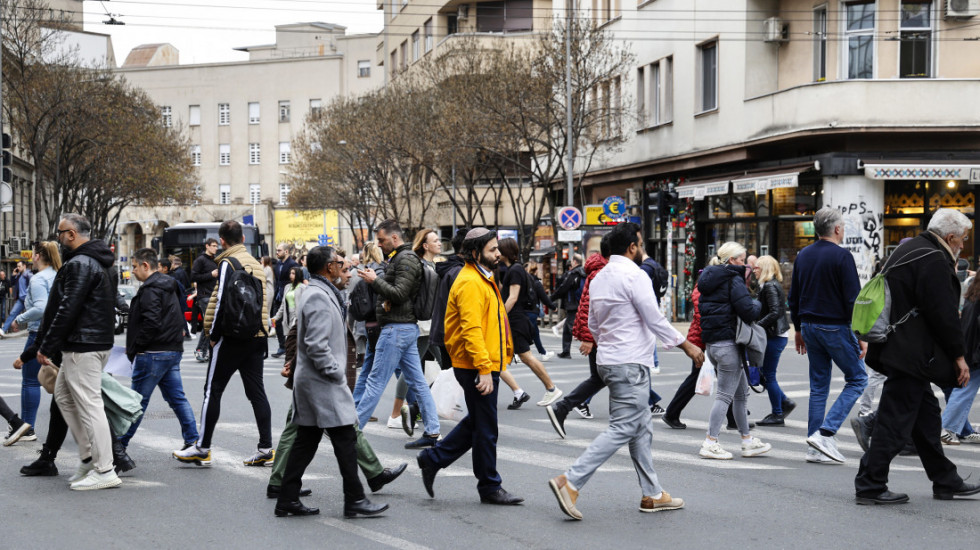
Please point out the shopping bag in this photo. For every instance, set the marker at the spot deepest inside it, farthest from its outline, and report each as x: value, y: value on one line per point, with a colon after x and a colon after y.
x: 706, y: 379
x: 448, y: 395
x: 123, y: 406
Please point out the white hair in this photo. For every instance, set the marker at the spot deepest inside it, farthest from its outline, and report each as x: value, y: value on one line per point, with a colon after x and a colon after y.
x: 826, y: 219
x: 728, y: 251
x: 946, y: 222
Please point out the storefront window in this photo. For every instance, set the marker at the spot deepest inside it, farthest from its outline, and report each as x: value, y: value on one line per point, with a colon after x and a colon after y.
x: 905, y: 197
x: 791, y: 237
x: 744, y: 204
x: 798, y: 201
x: 952, y: 194
x: 719, y: 206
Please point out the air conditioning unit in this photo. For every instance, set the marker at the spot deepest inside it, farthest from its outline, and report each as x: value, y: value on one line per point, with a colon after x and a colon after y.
x: 962, y: 9
x: 15, y: 245
x: 775, y: 30
x: 462, y: 12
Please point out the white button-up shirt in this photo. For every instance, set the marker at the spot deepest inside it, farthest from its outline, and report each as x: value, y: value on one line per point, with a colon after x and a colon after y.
x: 624, y: 317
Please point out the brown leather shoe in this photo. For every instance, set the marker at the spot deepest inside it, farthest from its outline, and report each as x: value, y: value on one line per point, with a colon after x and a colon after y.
x: 665, y: 502
x: 566, y: 495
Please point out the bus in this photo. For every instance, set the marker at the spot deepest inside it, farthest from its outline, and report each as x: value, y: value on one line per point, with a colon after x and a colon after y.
x: 186, y: 240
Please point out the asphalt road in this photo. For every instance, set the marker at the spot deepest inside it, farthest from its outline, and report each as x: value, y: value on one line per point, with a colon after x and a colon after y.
x: 773, y: 501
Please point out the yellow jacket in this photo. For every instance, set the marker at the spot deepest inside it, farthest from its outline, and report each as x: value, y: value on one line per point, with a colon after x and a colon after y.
x: 477, y: 331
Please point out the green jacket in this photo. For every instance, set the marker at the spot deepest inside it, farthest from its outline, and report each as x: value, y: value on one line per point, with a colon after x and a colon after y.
x: 397, y: 287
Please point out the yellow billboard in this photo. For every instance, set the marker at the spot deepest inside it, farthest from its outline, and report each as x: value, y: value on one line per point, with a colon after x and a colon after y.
x: 303, y: 228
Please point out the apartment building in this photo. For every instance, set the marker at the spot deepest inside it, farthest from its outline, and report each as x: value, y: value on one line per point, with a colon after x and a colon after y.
x: 241, y: 118
x: 760, y: 112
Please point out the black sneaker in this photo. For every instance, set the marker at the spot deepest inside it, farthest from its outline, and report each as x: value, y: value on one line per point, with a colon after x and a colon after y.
x: 423, y: 442
x: 557, y: 418
x: 583, y: 411
x: 279, y: 353
x: 773, y: 420
x: 657, y: 410
x: 524, y: 398
x: 43, y: 466
x: 565, y: 355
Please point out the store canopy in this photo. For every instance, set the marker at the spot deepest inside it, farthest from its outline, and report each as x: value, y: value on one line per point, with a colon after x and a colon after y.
x: 922, y: 171
x: 542, y: 252
x: 758, y: 181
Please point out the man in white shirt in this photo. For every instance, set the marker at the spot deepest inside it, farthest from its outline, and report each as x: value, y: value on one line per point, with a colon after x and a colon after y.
x: 625, y: 320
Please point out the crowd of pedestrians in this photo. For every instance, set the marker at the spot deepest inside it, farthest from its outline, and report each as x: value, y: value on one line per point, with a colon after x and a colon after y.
x: 346, y: 325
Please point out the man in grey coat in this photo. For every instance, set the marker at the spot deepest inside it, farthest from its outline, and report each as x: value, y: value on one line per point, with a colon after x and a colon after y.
x: 321, y: 399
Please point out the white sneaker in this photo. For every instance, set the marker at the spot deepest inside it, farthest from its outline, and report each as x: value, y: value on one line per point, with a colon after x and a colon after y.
x: 712, y: 449
x: 550, y: 397
x: 826, y: 445
x: 517, y: 359
x: 547, y: 356
x: 949, y: 438
x: 395, y: 423
x: 754, y: 447
x: 655, y: 369
x: 816, y: 457
x: 972, y: 438
x: 82, y: 471
x: 94, y: 481
x: 192, y: 454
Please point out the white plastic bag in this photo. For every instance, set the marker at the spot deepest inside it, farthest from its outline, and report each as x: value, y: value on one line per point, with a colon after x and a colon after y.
x: 448, y: 395
x: 706, y: 378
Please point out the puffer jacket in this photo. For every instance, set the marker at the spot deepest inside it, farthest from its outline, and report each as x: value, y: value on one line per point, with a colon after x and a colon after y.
x: 250, y: 264
x: 80, y: 314
x: 447, y: 272
x: 156, y: 318
x: 397, y: 287
x: 723, y: 297
x: 694, y: 331
x: 773, y: 309
x: 580, y: 330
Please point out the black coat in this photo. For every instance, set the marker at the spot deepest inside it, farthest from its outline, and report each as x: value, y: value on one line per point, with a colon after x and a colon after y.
x: 281, y: 271
x: 926, y: 345
x: 773, y: 317
x: 201, y: 271
x: 723, y: 296
x: 567, y: 289
x: 447, y: 272
x: 156, y: 318
x: 81, y: 313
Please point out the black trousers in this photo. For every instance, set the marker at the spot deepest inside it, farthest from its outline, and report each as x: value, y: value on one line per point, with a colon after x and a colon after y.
x: 304, y: 449
x: 280, y: 331
x: 907, y: 407
x: 684, y: 394
x: 227, y: 358
x: 566, y: 334
x: 585, y: 390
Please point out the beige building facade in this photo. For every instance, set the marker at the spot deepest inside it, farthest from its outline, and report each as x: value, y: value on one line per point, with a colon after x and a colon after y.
x: 241, y: 118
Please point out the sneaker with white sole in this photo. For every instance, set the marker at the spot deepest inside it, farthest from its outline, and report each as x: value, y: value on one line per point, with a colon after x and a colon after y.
x: 816, y: 457
x: 665, y: 502
x: 949, y: 438
x: 753, y: 446
x: 95, y: 481
x: 972, y: 438
x: 826, y: 445
x: 657, y: 411
x: 550, y: 397
x: 655, y: 369
x: 713, y: 449
x: 567, y: 496
x: 83, y: 469
x: 29, y: 436
x: 18, y: 433
x: 261, y: 458
x: 583, y: 411
x: 193, y: 455
x: 547, y: 356
x: 395, y: 422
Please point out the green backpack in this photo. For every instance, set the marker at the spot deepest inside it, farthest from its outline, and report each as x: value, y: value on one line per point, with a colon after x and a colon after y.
x: 873, y: 306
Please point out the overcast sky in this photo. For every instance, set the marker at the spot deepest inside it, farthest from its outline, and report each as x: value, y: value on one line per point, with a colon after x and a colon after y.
x: 206, y: 31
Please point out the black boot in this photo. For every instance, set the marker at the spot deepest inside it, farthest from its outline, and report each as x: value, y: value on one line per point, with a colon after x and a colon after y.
x: 120, y: 459
x: 43, y: 466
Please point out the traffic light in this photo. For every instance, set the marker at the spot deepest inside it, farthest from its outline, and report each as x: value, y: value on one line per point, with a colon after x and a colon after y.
x: 8, y: 159
x: 671, y: 201
x: 662, y: 209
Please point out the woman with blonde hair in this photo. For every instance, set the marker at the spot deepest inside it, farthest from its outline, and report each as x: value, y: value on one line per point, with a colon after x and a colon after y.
x: 774, y: 320
x: 724, y: 300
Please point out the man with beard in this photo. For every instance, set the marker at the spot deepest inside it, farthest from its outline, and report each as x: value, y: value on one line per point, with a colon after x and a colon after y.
x: 626, y: 323
x: 204, y: 273
x: 480, y: 348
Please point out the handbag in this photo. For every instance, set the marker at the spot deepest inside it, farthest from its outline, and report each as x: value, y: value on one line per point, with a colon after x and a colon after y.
x: 47, y: 377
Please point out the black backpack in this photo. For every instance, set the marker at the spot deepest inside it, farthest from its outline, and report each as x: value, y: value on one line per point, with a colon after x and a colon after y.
x: 363, y: 301
x: 425, y: 298
x: 240, y: 313
x: 658, y: 275
x: 531, y: 305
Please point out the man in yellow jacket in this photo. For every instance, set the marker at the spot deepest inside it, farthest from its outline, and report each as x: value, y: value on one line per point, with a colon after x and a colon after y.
x: 479, y: 344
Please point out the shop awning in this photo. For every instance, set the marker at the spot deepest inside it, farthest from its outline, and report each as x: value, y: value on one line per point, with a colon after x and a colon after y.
x: 698, y: 191
x: 758, y: 181
x: 923, y: 171
x: 542, y: 252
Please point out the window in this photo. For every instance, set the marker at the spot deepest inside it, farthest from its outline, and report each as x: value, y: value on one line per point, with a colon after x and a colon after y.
x: 194, y: 116
x: 224, y: 194
x: 915, y: 51
x: 254, y: 193
x: 708, y: 76
x: 452, y: 24
x: 605, y: 10
x: 608, y: 101
x: 641, y: 96
x: 316, y: 106
x: 427, y: 32
x: 859, y: 32
x: 363, y: 68
x: 394, y: 62
x: 254, y: 153
x: 224, y: 154
x: 166, y: 116
x: 284, y: 150
x: 820, y: 44
x: 404, y: 56
x: 284, y: 111
x: 667, y: 89
x: 224, y: 114
x: 506, y: 16
x: 283, y: 193
x: 415, y: 46
x: 195, y: 155
x: 253, y: 113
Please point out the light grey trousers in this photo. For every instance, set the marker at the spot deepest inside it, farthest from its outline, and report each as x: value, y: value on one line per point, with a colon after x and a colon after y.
x: 733, y: 388
x: 78, y: 391
x: 867, y: 400
x: 630, y: 423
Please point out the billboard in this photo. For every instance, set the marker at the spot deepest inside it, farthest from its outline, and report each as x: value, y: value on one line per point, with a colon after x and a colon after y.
x: 303, y: 228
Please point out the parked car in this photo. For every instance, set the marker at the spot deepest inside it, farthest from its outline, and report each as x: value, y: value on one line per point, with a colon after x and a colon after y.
x: 123, y: 297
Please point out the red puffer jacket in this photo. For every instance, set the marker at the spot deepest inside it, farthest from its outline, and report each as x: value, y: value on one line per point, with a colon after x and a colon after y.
x: 580, y: 330
x: 694, y: 333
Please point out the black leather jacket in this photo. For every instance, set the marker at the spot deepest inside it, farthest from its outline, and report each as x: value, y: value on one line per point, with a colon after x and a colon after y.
x: 773, y: 309
x: 397, y: 287
x: 80, y: 315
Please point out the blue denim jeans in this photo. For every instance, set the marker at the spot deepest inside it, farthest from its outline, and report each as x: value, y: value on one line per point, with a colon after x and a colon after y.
x: 837, y: 344
x: 30, y: 388
x: 398, y: 347
x: 162, y: 369
x: 366, y: 365
x: 14, y: 312
x: 956, y: 415
x: 774, y: 348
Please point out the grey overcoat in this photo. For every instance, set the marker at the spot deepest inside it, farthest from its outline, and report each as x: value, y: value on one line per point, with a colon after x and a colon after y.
x: 320, y: 394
